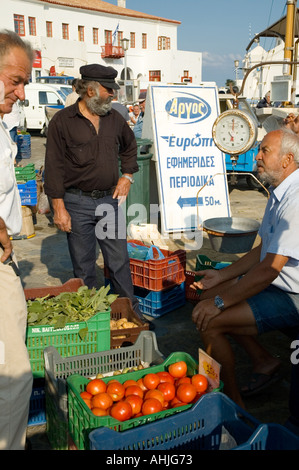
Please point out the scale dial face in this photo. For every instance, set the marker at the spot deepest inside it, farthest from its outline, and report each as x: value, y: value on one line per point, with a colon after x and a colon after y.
x: 234, y: 132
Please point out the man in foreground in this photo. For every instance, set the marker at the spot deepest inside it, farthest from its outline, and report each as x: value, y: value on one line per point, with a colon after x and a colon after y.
x: 260, y: 291
x: 15, y: 371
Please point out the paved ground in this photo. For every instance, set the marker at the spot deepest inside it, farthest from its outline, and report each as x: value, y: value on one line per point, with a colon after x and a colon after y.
x: 44, y: 261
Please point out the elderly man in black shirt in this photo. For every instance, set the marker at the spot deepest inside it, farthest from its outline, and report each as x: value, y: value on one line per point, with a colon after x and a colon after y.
x: 84, y: 144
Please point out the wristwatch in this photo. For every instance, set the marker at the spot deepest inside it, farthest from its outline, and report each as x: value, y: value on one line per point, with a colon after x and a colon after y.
x: 218, y: 302
x: 128, y: 178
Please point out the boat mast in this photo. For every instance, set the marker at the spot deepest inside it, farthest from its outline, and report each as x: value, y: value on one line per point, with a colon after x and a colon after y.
x: 289, y: 44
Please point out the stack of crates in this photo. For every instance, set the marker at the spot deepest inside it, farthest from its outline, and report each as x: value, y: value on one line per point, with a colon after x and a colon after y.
x: 159, y: 284
x: 59, y: 368
x: 82, y: 420
x: 24, y: 146
x: 27, y: 185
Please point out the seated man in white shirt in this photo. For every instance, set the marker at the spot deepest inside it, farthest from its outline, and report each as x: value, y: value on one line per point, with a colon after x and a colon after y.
x: 260, y: 291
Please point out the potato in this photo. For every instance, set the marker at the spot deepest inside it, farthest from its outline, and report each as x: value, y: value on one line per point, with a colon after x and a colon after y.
x: 129, y: 324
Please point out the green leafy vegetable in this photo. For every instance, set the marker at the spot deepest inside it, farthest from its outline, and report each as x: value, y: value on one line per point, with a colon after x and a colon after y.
x: 69, y: 307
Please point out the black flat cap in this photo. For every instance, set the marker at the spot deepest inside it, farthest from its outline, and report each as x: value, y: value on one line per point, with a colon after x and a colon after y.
x: 99, y: 73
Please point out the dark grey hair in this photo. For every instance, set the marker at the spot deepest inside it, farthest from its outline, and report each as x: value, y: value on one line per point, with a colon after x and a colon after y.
x: 82, y: 86
x: 9, y: 40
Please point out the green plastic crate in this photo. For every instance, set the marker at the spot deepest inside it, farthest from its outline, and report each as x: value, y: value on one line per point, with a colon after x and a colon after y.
x: 81, y: 419
x: 58, y: 368
x: 67, y: 340
x: 203, y: 262
x: 25, y: 173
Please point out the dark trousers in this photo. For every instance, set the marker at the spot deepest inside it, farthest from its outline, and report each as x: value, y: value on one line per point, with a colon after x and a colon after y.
x: 100, y: 220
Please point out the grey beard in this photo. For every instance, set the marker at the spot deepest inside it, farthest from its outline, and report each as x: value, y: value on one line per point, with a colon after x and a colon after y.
x: 269, y: 178
x: 99, y: 107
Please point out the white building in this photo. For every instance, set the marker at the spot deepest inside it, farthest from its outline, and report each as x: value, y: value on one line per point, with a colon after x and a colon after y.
x: 69, y: 33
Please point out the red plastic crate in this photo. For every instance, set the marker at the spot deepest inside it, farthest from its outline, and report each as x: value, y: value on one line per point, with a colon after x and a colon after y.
x: 191, y: 295
x: 157, y: 275
x: 70, y: 286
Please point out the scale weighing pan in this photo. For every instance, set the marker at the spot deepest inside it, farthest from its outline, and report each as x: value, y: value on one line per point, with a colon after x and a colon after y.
x: 231, y: 234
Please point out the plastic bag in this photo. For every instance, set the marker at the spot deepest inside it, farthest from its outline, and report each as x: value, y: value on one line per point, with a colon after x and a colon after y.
x: 154, y: 253
x: 137, y: 251
x: 43, y: 204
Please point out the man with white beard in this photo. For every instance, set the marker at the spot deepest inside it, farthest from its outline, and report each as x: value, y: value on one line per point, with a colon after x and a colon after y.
x: 85, y: 142
x: 260, y: 291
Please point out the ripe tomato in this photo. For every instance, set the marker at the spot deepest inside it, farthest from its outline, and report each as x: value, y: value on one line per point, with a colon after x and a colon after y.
x: 183, y: 380
x: 102, y: 400
x: 116, y: 390
x: 87, y: 401
x: 155, y: 393
x: 129, y: 382
x: 200, y: 382
x: 96, y: 386
x: 134, y: 390
x: 140, y: 384
x: 178, y: 369
x: 150, y: 406
x: 135, y: 402
x: 176, y: 402
x: 100, y: 412
x: 86, y: 395
x: 151, y: 381
x: 186, y: 392
x: 122, y: 410
x: 168, y: 390
x: 165, y: 376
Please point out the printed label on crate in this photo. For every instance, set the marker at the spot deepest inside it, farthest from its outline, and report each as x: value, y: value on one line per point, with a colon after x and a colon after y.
x: 47, y: 329
x: 210, y: 368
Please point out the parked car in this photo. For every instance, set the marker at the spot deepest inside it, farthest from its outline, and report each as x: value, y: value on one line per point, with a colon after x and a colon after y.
x: 37, y: 97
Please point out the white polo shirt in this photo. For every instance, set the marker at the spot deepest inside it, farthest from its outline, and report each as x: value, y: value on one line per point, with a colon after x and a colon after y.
x: 10, y: 201
x: 280, y: 231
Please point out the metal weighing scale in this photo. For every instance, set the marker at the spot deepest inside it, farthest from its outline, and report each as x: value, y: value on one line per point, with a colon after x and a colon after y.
x: 234, y: 133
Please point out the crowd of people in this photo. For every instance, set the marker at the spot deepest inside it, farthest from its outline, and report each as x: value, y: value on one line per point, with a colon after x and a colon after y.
x: 86, y: 140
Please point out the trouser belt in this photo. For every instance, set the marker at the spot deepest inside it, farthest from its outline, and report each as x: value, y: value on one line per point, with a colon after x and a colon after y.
x: 95, y: 194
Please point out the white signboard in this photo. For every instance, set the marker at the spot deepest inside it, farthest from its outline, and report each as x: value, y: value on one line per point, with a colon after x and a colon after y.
x: 180, y: 119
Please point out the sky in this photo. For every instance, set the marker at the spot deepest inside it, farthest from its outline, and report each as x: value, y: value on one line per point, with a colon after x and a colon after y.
x: 220, y: 29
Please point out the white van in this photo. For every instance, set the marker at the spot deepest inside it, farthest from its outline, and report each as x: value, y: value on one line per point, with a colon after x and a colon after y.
x: 37, y: 97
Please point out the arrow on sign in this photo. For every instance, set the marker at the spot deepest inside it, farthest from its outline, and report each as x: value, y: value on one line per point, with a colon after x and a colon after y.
x: 189, y: 201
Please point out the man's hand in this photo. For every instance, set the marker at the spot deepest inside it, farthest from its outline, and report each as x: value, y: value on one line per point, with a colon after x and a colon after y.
x: 122, y: 190
x: 203, y: 312
x: 5, y: 241
x: 211, y: 278
x: 62, y: 218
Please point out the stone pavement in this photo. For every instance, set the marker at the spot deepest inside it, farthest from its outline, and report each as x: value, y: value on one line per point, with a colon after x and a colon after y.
x: 44, y: 261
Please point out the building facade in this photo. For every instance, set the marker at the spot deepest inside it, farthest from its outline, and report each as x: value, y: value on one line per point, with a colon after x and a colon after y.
x: 69, y: 33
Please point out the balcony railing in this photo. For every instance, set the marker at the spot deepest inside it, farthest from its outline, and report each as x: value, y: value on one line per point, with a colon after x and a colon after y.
x: 112, y: 52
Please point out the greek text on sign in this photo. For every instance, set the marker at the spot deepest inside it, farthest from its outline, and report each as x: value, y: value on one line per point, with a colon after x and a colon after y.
x: 181, y: 120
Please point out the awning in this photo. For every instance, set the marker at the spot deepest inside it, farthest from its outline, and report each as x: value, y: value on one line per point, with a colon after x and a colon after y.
x: 277, y: 30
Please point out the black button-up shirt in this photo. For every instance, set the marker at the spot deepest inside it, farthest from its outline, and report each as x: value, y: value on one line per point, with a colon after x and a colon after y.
x: 77, y: 156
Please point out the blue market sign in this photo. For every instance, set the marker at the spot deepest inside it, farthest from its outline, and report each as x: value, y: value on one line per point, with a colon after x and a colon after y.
x: 188, y: 109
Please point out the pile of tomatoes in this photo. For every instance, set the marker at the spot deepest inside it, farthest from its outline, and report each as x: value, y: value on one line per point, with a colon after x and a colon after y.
x: 152, y: 393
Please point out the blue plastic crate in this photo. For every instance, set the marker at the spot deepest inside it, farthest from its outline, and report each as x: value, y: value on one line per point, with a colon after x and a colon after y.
x: 28, y: 193
x: 158, y: 303
x: 24, y: 146
x: 271, y: 437
x: 37, y: 407
x: 205, y: 426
